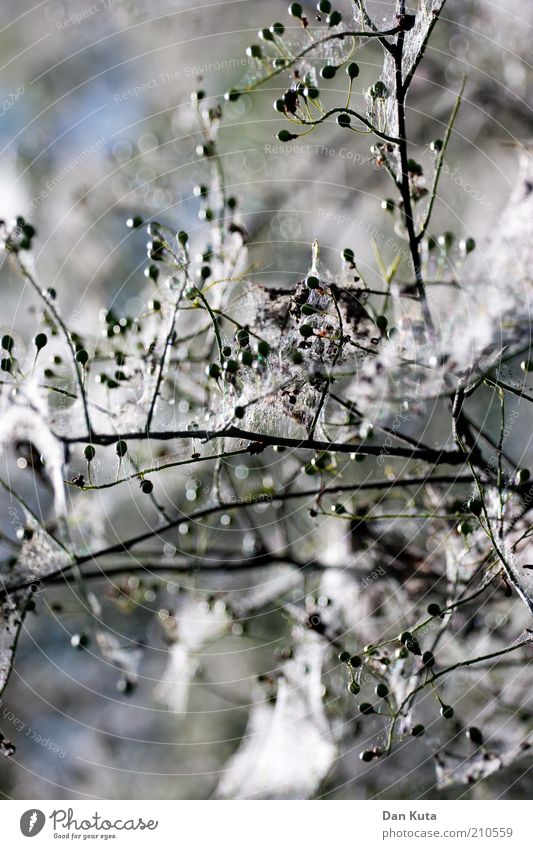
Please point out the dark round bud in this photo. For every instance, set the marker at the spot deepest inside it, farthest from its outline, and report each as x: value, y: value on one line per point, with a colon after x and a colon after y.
x: 232, y: 95
x: 523, y: 475
x: 82, y: 357
x: 475, y: 506
x: 306, y: 331
x: 410, y: 643
x: 367, y: 756
x: 414, y: 168
x: 242, y: 337
x: 382, y: 691
x: 8, y: 343
x: 183, y: 237
x: 266, y: 35
x: 279, y: 105
x: 446, y: 240
x: 239, y: 412
x: 40, y: 341
x: 277, y: 28
x: 285, y: 136
x: 434, y: 609
x: 246, y: 358
x: 152, y: 272
x: 312, y: 92
x: 355, y: 661
x: 354, y: 688
x: 348, y: 255
x: 121, y: 448
x: 79, y: 641
x: 213, y: 370
x: 296, y: 10
x: 344, y: 656
x: 413, y: 646
x: 134, y: 222
x: 417, y: 730
x: 263, y: 348
x: 312, y: 282
x: 231, y: 366
x: 324, y: 6
x: 328, y: 72
x: 155, y: 249
x: 366, y: 708
x: 428, y: 658
x: 388, y: 205
x: 436, y: 145
x: 353, y: 70
x: 343, y: 119
x: 475, y: 736
x: 254, y: 51
x: 125, y: 686
x: 89, y: 452
x: 334, y: 19
x: 381, y: 322
x: 447, y: 711
x: 147, y: 487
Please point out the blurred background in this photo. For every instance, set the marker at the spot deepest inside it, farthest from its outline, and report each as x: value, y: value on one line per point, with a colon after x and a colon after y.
x: 97, y: 125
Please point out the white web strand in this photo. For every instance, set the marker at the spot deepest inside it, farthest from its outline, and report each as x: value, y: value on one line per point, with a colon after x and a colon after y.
x: 23, y: 418
x: 288, y: 748
x: 193, y: 625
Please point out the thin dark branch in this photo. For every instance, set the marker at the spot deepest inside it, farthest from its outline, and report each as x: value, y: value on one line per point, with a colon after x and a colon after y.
x: 405, y: 186
x: 428, y: 455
